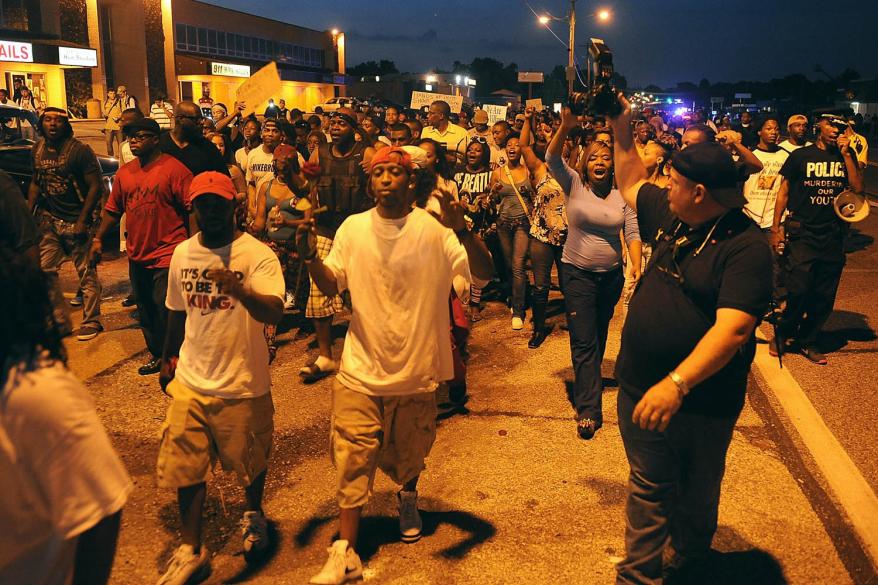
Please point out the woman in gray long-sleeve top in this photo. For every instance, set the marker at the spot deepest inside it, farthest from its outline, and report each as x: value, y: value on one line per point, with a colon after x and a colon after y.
x: 592, y: 277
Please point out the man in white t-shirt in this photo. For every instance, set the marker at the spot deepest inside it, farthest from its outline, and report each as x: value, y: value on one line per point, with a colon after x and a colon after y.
x: 260, y: 161
x: 223, y: 286
x: 761, y: 188
x: 797, y: 128
x: 63, y: 486
x: 398, y: 264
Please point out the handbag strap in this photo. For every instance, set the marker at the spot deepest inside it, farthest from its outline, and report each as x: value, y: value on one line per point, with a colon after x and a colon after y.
x: 518, y: 194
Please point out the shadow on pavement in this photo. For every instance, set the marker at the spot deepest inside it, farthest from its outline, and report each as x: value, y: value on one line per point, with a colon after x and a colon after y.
x: 857, y: 240
x: 751, y: 567
x: 844, y: 327
x: 377, y: 531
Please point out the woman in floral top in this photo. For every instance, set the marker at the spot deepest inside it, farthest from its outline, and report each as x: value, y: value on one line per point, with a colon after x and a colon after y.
x: 548, y: 231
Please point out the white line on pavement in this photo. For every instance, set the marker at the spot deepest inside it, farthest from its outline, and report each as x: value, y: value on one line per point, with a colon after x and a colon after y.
x: 850, y: 489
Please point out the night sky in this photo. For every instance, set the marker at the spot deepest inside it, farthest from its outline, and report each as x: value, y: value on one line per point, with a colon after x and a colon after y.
x: 660, y: 42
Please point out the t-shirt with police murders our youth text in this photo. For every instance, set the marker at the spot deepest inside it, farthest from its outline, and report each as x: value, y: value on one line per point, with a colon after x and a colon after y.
x: 815, y: 177
x: 761, y: 188
x: 224, y: 352
x: 59, y: 474
x: 399, y: 274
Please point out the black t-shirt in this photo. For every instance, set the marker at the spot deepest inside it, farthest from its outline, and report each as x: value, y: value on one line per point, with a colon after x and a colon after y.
x: 667, y: 318
x: 815, y: 178
x: 18, y: 231
x: 199, y: 155
x: 60, y: 173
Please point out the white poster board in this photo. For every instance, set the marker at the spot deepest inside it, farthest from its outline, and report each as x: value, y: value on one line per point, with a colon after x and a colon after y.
x: 423, y: 98
x: 257, y: 90
x: 537, y: 104
x: 495, y: 113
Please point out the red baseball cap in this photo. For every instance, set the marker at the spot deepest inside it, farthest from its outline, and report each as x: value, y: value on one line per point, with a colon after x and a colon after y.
x: 214, y: 183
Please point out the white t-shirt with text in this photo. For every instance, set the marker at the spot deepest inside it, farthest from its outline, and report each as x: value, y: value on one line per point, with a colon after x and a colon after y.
x: 224, y: 352
x: 59, y: 474
x: 399, y: 275
x: 761, y: 188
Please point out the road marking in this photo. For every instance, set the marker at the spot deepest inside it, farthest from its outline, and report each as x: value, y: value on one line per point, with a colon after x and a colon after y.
x: 852, y: 491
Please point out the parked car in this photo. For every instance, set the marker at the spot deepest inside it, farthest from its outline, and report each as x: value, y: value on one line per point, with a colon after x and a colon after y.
x: 335, y: 103
x: 18, y: 130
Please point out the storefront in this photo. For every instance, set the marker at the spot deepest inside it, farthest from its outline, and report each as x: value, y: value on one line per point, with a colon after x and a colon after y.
x: 40, y: 67
x: 220, y: 79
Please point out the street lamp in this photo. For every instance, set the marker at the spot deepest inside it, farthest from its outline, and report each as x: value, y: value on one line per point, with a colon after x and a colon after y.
x: 603, y: 15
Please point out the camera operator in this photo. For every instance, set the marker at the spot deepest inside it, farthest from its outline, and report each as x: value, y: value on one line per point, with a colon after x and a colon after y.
x: 814, y: 249
x: 687, y: 346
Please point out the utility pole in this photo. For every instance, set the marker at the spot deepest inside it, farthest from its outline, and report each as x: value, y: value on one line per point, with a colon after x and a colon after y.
x: 571, y: 72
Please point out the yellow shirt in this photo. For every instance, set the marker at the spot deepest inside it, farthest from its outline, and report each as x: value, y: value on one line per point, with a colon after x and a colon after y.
x: 455, y: 138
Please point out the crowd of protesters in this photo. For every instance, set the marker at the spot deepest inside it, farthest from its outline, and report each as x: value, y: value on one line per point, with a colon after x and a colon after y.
x: 410, y: 223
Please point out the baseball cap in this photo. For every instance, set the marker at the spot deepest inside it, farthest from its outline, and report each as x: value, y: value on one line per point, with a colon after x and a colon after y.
x: 709, y: 164
x: 519, y: 117
x: 392, y: 154
x: 145, y: 124
x: 212, y: 182
x: 418, y: 155
x: 480, y: 117
x: 121, y: 88
x: 797, y: 118
x: 284, y: 152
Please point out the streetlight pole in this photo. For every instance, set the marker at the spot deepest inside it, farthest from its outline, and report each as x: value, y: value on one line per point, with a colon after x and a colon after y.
x: 571, y: 72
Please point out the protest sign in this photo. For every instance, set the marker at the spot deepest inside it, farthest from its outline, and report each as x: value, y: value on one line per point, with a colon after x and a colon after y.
x: 537, y: 104
x: 257, y: 90
x: 423, y: 98
x: 495, y: 113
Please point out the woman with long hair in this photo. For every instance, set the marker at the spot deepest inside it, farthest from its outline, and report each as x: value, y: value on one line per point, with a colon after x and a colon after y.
x: 511, y: 190
x: 438, y: 167
x: 591, y: 278
x: 473, y: 179
x: 548, y: 230
x: 282, y: 204
x: 221, y: 141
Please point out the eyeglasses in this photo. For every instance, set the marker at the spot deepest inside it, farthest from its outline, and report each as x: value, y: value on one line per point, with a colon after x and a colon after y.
x: 141, y: 136
x: 479, y: 139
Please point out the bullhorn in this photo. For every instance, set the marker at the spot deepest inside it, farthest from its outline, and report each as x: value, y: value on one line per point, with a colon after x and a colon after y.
x: 851, y: 207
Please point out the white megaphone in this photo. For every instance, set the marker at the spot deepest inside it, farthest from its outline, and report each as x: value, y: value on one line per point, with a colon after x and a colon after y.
x: 851, y: 207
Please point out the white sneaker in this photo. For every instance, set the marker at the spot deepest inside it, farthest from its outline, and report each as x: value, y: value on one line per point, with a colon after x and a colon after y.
x: 409, y: 518
x: 342, y: 565
x: 517, y: 324
x: 289, y: 301
x: 254, y: 528
x: 186, y: 566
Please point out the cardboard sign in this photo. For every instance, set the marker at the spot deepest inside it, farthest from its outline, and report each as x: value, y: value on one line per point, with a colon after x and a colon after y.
x: 423, y: 98
x: 530, y: 77
x: 257, y: 90
x: 537, y: 104
x: 495, y: 113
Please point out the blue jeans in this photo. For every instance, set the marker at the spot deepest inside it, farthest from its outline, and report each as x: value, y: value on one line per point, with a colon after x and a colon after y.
x: 673, y: 489
x: 515, y: 243
x: 590, y: 298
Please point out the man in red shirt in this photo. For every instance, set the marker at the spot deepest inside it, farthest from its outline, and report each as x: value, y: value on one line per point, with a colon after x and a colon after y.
x: 152, y: 191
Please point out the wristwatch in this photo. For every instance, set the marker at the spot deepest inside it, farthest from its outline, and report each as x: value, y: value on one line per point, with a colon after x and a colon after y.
x: 678, y: 381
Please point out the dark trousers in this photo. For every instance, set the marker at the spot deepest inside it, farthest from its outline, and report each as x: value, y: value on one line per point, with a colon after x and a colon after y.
x: 542, y: 256
x: 515, y: 243
x: 673, y: 489
x: 811, y: 277
x: 590, y: 298
x: 150, y: 287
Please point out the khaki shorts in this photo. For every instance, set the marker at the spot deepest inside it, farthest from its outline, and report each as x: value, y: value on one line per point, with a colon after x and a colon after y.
x: 394, y: 433
x: 201, y: 429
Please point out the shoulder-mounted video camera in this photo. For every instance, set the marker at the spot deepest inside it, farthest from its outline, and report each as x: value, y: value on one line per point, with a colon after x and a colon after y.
x: 601, y: 98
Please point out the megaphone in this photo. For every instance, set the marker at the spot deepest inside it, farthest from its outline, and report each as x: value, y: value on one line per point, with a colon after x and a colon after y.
x: 851, y: 207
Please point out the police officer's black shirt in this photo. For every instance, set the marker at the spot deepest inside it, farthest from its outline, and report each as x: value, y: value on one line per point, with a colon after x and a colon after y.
x: 815, y: 177
x: 199, y: 156
x: 667, y: 318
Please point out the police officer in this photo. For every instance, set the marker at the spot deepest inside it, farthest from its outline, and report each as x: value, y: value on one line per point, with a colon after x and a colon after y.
x: 814, y: 235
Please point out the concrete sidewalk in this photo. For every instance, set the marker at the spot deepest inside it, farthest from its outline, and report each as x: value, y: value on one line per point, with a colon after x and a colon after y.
x: 511, y: 494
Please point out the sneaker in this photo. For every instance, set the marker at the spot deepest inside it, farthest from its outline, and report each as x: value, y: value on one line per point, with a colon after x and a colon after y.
x: 89, y: 330
x: 187, y: 566
x: 342, y: 565
x: 586, y: 428
x: 153, y: 366
x: 538, y: 337
x: 129, y: 301
x: 517, y: 324
x: 409, y: 518
x: 254, y: 528
x: 813, y: 355
x: 289, y: 301
x: 77, y: 300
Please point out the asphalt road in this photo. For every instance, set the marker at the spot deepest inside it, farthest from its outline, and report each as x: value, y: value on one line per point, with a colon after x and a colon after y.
x: 511, y: 495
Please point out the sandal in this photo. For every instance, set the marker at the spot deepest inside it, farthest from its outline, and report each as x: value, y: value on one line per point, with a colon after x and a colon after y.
x: 813, y: 356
